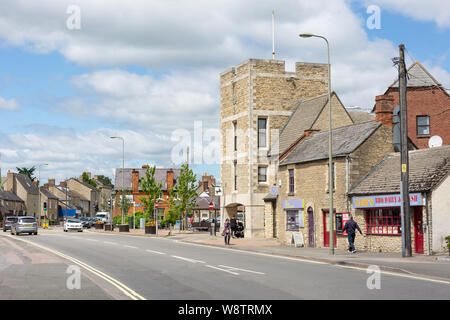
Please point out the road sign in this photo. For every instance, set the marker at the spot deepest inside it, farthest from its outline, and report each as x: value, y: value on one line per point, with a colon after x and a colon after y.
x: 156, y: 205
x: 211, y: 206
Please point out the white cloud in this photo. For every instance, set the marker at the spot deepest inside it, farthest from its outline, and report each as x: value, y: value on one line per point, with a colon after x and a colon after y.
x: 437, y: 11
x: 10, y: 105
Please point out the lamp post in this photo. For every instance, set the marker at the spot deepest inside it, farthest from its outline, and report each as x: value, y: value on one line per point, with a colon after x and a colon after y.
x: 39, y: 189
x: 123, y: 170
x: 330, y: 144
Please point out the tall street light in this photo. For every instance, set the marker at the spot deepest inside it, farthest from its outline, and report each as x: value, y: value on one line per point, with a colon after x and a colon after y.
x: 123, y: 169
x: 330, y: 144
x: 39, y: 189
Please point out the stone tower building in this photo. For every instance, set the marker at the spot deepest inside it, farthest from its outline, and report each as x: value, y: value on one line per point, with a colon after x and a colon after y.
x: 257, y: 99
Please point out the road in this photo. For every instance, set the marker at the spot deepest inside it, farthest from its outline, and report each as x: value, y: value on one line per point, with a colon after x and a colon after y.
x: 132, y: 267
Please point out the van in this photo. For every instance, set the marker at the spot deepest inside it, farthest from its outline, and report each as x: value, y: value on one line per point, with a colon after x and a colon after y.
x: 103, y: 216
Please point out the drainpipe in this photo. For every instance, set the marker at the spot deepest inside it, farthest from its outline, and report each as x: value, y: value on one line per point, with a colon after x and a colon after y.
x: 428, y: 225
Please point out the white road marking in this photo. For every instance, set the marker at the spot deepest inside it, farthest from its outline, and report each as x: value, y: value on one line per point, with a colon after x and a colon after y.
x: 239, y: 269
x: 108, y: 242
x: 130, y: 247
x: 225, y: 270
x: 153, y: 251
x: 188, y: 259
x: 91, y: 239
x: 127, y: 291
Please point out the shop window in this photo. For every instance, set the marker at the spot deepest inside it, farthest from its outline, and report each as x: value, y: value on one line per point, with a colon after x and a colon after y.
x: 385, y: 221
x: 339, y: 223
x: 292, y: 220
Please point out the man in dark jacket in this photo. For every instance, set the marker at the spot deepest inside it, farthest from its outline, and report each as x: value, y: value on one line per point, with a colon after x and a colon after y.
x: 350, y: 227
x: 233, y: 225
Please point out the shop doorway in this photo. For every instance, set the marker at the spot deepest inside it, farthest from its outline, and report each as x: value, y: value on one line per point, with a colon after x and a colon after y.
x: 418, y: 230
x: 310, y: 212
x: 326, y: 231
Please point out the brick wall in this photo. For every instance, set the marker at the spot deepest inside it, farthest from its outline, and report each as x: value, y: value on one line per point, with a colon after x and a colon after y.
x: 425, y: 101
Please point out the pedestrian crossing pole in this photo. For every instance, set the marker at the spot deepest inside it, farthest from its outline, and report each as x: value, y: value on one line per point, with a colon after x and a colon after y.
x: 404, y: 183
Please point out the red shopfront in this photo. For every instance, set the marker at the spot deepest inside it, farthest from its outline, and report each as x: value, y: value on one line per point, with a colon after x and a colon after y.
x: 383, y: 216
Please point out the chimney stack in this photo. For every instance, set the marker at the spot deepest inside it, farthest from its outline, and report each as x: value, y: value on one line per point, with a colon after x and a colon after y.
x: 135, y: 181
x: 384, y: 105
x: 51, y: 182
x: 169, y: 179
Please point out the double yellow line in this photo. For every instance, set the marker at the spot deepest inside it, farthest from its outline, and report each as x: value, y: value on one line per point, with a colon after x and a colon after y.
x: 123, y: 288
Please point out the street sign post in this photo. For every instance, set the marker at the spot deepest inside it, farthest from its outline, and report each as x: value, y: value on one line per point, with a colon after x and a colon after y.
x: 213, y: 222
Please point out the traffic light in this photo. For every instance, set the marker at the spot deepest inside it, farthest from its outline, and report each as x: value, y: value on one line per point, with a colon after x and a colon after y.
x: 109, y: 203
x: 45, y: 206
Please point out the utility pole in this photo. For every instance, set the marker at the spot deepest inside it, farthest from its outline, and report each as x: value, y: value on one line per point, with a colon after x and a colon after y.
x: 404, y: 183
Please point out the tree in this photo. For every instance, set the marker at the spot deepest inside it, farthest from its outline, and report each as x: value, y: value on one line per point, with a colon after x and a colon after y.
x: 184, y: 192
x: 152, y: 189
x: 105, y: 180
x: 86, y: 179
x: 29, y: 172
x: 124, y: 203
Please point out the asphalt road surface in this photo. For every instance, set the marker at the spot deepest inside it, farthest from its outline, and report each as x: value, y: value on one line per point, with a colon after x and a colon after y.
x: 131, y: 267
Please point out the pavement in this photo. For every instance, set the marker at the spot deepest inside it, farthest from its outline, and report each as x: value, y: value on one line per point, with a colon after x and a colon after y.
x: 437, y: 266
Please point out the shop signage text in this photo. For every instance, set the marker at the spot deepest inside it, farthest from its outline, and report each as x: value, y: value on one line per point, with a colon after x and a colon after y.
x: 390, y: 200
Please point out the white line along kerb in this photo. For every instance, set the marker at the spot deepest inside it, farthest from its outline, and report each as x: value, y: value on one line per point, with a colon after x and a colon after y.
x: 127, y: 291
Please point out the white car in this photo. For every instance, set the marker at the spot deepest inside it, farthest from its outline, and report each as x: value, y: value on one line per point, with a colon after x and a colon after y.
x: 73, y: 224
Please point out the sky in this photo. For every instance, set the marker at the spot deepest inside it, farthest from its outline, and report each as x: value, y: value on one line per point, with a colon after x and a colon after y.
x: 74, y: 73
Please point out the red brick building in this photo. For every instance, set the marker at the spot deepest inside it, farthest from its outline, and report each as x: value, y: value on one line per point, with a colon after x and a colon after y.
x: 428, y: 106
x: 132, y: 178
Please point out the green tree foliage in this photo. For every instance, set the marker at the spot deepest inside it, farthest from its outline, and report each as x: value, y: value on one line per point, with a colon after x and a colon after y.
x: 86, y: 179
x: 105, y: 181
x: 29, y: 172
x: 183, y: 195
x: 152, y: 189
x: 124, y: 204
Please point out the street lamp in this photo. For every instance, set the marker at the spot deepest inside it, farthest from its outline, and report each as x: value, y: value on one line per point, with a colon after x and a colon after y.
x: 123, y: 169
x: 330, y: 144
x: 39, y: 189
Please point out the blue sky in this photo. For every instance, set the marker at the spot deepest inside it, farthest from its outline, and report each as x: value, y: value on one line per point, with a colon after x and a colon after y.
x: 76, y: 88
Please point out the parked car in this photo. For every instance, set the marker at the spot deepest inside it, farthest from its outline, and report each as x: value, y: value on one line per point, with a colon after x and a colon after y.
x: 86, y: 222
x: 73, y: 224
x: 8, y: 222
x: 24, y: 225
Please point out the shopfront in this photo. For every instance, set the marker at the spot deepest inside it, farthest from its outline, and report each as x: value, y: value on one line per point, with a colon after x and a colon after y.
x: 295, y: 215
x: 382, y: 215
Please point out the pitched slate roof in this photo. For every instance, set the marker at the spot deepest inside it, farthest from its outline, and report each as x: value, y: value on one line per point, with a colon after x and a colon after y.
x: 47, y: 193
x: 26, y: 182
x: 9, y: 196
x: 160, y: 176
x: 202, y: 203
x: 418, y: 76
x: 301, y: 119
x: 360, y: 116
x: 427, y: 167
x: 345, y: 140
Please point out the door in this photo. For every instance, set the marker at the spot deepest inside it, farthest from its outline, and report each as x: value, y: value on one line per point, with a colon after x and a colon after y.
x: 418, y: 230
x: 310, y: 227
x: 326, y: 231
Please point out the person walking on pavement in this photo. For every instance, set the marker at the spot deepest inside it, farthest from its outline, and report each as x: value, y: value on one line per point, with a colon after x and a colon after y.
x: 351, y: 226
x: 227, y: 231
x: 233, y: 226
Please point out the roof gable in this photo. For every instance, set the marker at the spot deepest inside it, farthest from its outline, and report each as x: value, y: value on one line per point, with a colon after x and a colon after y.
x: 345, y: 140
x: 427, y: 167
x: 418, y: 76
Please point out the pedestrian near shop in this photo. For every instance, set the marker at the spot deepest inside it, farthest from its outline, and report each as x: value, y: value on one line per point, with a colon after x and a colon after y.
x: 227, y: 231
x: 233, y: 225
x: 351, y: 226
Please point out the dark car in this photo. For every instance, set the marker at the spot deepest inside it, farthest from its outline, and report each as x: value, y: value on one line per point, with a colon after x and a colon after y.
x: 8, y: 222
x: 86, y: 222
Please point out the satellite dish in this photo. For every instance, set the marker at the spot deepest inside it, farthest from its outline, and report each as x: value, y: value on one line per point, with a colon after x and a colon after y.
x: 435, y: 141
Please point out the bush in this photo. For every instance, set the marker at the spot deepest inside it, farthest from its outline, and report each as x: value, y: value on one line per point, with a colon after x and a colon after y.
x: 447, y: 238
